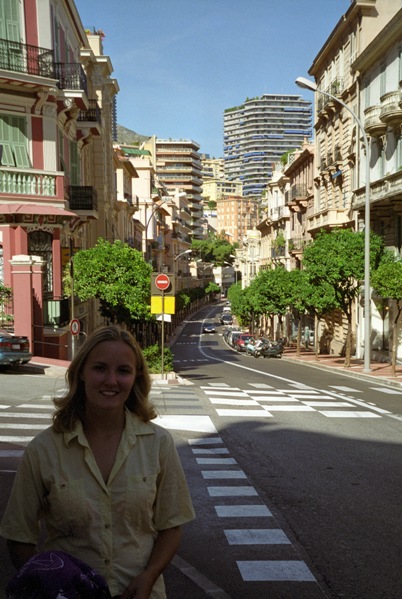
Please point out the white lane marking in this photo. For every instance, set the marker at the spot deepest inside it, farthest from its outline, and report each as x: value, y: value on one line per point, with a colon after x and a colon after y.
x: 387, y: 390
x: 279, y: 570
x: 224, y: 474
x: 261, y: 386
x: 201, y: 424
x: 244, y: 413
x: 291, y: 408
x: 257, y: 536
x: 342, y: 414
x: 230, y: 392
x: 205, y: 441
x: 214, y: 450
x: 11, y: 453
x: 234, y: 402
x: 242, y: 511
x: 19, y: 415
x: 345, y: 389
x: 328, y: 404
x: 232, y: 491
x: 216, y: 461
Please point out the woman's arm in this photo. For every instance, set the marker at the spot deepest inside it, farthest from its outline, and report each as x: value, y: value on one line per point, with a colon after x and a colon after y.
x: 20, y: 553
x: 165, y: 547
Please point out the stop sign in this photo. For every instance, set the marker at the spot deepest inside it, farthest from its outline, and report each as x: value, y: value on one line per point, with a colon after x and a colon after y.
x: 162, y: 282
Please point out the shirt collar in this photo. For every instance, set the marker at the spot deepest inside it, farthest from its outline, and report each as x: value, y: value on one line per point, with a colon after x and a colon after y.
x: 133, y: 427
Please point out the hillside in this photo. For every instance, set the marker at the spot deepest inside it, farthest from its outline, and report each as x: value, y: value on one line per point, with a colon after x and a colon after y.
x: 127, y: 136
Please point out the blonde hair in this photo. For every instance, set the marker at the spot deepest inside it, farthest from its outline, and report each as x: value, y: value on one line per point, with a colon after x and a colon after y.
x: 71, y: 407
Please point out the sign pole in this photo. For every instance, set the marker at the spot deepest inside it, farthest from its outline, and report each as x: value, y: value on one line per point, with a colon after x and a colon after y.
x: 163, y: 335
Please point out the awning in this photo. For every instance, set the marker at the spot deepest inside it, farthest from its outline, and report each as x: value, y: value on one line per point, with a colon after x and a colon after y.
x: 35, y: 209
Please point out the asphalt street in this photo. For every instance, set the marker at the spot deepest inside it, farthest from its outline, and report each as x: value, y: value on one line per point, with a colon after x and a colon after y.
x: 294, y: 472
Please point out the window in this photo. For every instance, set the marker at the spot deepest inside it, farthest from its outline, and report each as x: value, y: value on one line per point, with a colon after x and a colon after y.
x: 9, y: 20
x: 383, y: 79
x: 13, y: 138
x: 74, y: 164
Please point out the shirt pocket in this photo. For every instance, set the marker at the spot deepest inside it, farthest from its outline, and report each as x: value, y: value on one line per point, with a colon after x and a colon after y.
x: 139, y: 500
x: 67, y: 507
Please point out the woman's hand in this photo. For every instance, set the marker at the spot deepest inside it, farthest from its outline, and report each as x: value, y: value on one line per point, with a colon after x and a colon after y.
x: 140, y: 587
x: 166, y: 545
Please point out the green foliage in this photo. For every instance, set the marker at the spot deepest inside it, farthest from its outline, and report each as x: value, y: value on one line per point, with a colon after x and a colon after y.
x: 387, y: 280
x: 153, y: 357
x: 118, y: 277
x: 6, y: 294
x: 214, y: 249
x: 337, y: 259
x: 212, y: 288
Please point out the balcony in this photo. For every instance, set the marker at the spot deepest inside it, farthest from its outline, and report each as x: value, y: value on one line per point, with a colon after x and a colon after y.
x: 90, y: 118
x: 384, y: 190
x: 83, y: 200
x: 391, y: 110
x: 72, y: 80
x: 328, y: 219
x: 373, y: 124
x: 26, y: 59
x: 28, y: 182
x: 335, y: 88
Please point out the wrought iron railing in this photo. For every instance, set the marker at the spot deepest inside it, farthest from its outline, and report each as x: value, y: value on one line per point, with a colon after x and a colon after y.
x: 24, y: 58
x: 82, y: 197
x: 92, y: 114
x: 71, y: 75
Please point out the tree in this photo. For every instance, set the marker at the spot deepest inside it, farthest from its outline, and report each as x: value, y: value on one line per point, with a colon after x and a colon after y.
x: 387, y: 281
x: 215, y: 249
x: 118, y: 277
x: 336, y: 259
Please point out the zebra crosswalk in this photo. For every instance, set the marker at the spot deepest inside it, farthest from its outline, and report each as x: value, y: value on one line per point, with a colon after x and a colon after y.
x: 265, y: 401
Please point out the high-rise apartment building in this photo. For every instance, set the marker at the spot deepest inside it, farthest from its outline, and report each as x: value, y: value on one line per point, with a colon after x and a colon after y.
x: 178, y: 167
x: 258, y: 132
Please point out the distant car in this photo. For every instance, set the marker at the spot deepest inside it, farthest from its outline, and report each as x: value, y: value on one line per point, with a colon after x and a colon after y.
x: 241, y: 342
x: 13, y: 349
x: 226, y: 319
x: 208, y: 327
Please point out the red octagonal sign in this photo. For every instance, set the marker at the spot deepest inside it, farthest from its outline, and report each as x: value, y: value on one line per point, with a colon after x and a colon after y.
x: 162, y: 282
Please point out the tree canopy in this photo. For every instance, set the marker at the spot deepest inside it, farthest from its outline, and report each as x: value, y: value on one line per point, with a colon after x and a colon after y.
x: 118, y: 277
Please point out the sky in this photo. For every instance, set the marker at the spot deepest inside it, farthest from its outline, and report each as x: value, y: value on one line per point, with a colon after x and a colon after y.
x: 180, y: 63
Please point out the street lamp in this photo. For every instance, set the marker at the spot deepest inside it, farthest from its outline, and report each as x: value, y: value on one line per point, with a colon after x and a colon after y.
x: 312, y: 86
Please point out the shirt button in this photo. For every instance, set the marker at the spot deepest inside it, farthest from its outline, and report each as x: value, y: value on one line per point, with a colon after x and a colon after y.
x: 107, y: 526
x: 107, y: 562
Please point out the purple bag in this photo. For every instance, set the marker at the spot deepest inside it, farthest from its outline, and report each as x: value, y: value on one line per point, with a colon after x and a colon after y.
x: 57, y: 575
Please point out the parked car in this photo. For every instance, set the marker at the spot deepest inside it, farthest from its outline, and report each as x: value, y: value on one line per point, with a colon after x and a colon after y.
x: 233, y: 337
x: 265, y: 348
x: 242, y: 341
x: 208, y: 327
x: 227, y: 329
x: 13, y: 349
x: 226, y: 319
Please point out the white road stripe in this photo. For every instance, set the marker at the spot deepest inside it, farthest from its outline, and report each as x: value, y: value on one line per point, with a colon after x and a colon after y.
x: 232, y: 491
x: 224, y: 474
x: 257, y: 536
x: 233, y: 402
x: 279, y: 570
x: 244, y: 413
x: 242, y: 511
x: 215, y: 461
x: 342, y: 414
x: 214, y: 450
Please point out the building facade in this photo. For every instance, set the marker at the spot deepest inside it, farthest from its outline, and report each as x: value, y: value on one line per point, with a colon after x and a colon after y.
x: 258, y: 132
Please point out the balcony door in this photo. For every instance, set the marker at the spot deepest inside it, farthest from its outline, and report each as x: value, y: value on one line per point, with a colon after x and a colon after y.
x: 40, y: 244
x: 10, y: 36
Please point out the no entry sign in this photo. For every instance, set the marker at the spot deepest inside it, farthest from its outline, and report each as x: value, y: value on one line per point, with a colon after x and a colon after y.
x: 162, y: 282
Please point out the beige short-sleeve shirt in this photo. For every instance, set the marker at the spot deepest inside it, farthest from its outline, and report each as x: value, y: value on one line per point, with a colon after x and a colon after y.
x: 111, y: 526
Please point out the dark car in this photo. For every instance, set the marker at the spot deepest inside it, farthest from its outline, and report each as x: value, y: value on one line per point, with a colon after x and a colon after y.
x: 208, y: 327
x: 226, y: 319
x: 241, y: 342
x: 13, y: 349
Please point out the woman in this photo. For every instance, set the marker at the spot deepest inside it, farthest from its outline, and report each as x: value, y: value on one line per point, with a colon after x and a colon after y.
x: 107, y: 483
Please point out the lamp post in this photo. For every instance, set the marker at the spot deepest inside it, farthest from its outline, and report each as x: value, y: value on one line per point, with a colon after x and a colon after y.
x: 312, y: 86
x: 154, y: 209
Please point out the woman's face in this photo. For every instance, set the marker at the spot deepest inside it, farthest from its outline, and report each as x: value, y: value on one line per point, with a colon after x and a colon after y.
x: 109, y: 375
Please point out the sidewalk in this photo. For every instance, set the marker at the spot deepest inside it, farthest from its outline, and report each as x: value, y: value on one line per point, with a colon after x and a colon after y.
x: 379, y: 371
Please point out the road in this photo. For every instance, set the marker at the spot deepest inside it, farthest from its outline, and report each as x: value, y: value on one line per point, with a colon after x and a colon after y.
x: 295, y: 472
